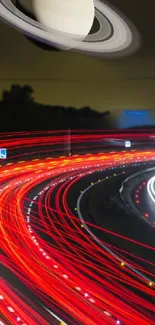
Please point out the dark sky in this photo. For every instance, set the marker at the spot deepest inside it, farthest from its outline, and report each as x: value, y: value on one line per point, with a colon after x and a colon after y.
x: 68, y: 78
x: 142, y: 14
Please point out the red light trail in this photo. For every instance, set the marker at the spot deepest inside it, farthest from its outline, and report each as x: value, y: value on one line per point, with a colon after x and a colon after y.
x: 69, y: 273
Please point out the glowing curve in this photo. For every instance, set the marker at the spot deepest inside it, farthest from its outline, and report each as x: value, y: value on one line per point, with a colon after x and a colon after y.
x: 62, y: 270
x: 98, y: 240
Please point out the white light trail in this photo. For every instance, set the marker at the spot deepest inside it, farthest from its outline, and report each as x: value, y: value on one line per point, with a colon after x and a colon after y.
x: 151, y: 188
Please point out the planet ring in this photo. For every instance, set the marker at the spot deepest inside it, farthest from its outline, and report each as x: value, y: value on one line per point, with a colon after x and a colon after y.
x: 113, y: 37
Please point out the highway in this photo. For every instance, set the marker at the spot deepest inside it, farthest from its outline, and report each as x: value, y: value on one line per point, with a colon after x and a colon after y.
x: 53, y: 270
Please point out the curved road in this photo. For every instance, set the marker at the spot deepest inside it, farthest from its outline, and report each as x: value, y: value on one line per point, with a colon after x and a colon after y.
x: 53, y: 270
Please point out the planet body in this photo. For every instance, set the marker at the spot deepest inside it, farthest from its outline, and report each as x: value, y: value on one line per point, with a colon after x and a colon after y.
x: 73, y: 17
x: 114, y: 36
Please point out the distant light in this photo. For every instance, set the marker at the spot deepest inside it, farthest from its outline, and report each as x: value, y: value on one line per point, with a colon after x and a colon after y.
x: 107, y: 313
x: 127, y: 144
x: 122, y: 263
x: 135, y: 112
x: 150, y: 284
x: 11, y: 309
x: 118, y: 322
x: 78, y: 288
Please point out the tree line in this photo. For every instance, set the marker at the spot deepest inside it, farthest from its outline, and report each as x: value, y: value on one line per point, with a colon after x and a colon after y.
x: 20, y: 112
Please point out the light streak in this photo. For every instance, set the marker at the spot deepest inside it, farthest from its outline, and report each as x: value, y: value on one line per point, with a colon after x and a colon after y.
x: 45, y: 247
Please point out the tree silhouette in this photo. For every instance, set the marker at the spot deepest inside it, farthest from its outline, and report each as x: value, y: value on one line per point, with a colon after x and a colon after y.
x: 18, y: 94
x: 19, y: 112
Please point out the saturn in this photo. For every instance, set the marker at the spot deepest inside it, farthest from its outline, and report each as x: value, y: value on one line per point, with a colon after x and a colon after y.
x: 68, y: 25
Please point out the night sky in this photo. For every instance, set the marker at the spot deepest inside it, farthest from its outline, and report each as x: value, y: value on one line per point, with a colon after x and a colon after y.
x: 66, y: 78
